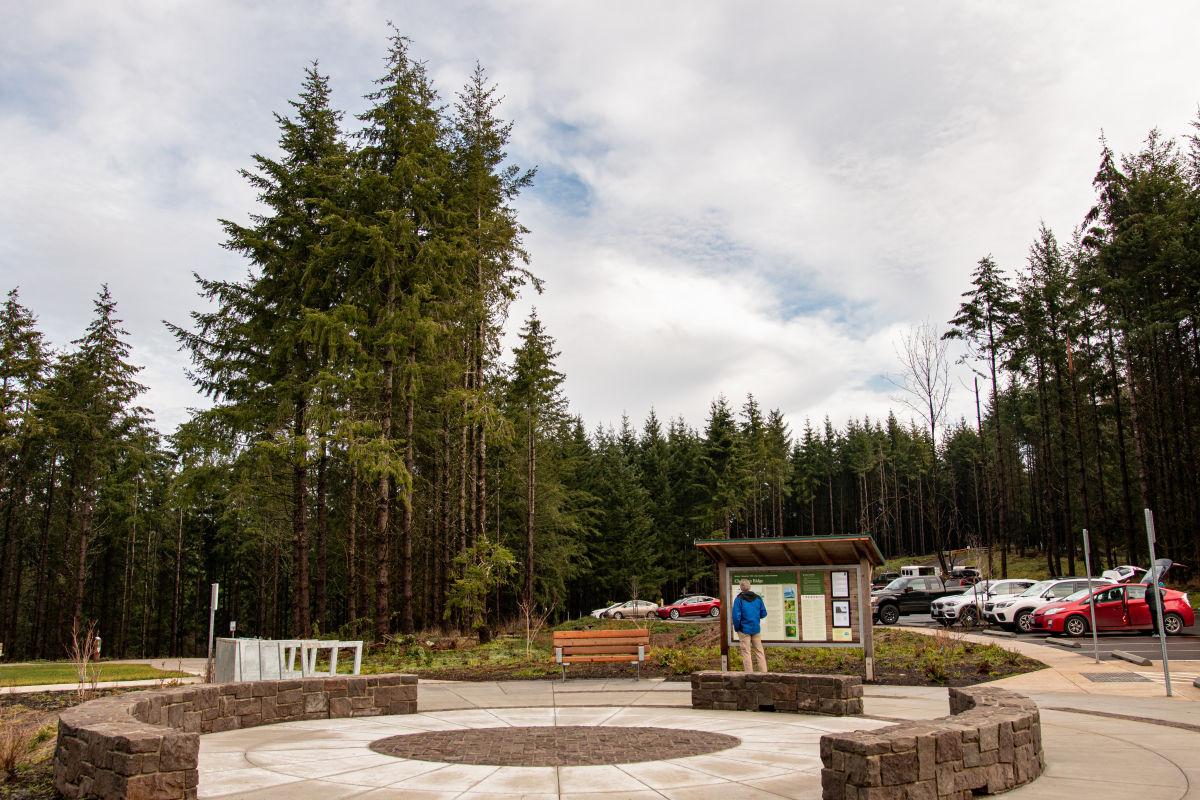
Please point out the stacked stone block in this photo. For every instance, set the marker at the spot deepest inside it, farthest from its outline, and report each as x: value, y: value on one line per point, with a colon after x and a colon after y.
x: 992, y: 742
x: 834, y: 695
x: 145, y: 745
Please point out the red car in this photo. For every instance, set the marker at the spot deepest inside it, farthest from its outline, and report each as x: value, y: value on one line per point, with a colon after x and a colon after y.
x: 696, y: 605
x: 1118, y: 608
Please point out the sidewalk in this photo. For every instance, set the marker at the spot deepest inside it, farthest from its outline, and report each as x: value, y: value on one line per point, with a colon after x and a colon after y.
x: 1096, y: 745
x: 1075, y: 672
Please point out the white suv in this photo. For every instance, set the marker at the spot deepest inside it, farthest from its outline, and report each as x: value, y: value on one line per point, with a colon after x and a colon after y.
x: 1017, y: 612
x: 967, y: 607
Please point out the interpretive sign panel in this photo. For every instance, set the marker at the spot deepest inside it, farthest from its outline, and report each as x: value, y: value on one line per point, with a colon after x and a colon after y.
x: 801, y: 608
x: 778, y: 591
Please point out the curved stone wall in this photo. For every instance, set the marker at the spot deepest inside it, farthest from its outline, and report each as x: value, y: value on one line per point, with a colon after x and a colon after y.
x: 144, y: 745
x: 990, y: 743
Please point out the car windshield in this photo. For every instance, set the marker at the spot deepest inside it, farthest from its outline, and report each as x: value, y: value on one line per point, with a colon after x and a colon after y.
x: 1037, y: 588
x: 1075, y: 597
x: 682, y: 601
x: 897, y: 585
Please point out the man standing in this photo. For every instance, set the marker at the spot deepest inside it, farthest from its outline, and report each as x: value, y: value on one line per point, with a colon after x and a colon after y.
x: 748, y: 610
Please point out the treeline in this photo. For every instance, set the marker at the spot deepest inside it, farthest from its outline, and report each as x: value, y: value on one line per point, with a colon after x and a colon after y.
x: 373, y: 463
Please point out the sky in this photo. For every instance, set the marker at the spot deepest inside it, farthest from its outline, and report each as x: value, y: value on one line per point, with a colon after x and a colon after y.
x: 731, y: 198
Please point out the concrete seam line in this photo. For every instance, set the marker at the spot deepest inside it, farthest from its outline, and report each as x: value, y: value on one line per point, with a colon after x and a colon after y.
x: 1187, y: 726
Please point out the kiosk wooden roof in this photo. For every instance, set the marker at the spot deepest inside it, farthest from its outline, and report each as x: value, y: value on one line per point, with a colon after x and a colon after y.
x: 793, y: 551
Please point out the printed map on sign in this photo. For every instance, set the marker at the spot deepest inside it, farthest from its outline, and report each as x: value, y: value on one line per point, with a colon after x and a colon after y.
x: 778, y: 591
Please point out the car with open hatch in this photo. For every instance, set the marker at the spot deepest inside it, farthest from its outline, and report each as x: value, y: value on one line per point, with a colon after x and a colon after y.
x: 967, y: 608
x: 696, y: 605
x: 1118, y: 608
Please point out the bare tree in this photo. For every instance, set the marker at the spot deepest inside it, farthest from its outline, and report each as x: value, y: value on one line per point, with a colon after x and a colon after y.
x: 925, y: 385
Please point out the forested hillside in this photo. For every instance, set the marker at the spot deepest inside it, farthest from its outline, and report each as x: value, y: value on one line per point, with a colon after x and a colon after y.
x: 373, y: 463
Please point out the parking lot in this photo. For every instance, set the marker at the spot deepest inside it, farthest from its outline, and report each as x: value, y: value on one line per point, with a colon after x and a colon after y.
x: 1185, y: 646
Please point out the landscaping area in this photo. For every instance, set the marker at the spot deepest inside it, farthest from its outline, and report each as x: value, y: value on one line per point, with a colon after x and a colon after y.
x: 28, y: 720
x: 942, y: 658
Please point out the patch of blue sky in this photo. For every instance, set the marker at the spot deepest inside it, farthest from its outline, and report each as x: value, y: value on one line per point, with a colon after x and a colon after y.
x: 33, y: 96
x: 563, y: 190
x: 880, y: 383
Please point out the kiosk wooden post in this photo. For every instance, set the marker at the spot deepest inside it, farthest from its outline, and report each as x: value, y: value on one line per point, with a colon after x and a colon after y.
x: 726, y: 610
x: 864, y: 604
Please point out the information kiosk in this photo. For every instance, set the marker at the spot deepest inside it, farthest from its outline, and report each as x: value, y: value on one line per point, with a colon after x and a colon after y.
x: 817, y: 589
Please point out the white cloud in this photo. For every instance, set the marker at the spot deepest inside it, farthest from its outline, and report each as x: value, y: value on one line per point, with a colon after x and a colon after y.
x: 733, y: 198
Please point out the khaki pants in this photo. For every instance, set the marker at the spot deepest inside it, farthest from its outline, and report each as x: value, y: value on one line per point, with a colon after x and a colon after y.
x: 752, y: 640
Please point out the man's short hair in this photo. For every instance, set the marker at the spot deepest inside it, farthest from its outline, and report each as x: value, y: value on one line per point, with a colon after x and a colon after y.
x: 744, y: 584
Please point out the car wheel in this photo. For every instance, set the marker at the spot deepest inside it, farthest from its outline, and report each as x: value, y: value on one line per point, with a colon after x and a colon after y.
x: 674, y: 613
x: 1024, y: 622
x: 1172, y: 624
x: 889, y: 614
x: 714, y: 612
x: 618, y: 615
x: 651, y: 614
x: 969, y: 618
x: 1075, y: 626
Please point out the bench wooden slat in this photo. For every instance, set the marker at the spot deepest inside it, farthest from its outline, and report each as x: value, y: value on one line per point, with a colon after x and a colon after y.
x: 575, y: 649
x: 629, y: 640
x: 616, y: 632
x: 581, y: 659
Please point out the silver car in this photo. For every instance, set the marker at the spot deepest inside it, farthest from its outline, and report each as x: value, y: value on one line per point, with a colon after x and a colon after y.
x: 967, y: 608
x: 630, y: 609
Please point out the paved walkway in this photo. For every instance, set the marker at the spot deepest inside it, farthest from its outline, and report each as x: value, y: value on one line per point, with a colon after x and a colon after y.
x: 1108, y: 729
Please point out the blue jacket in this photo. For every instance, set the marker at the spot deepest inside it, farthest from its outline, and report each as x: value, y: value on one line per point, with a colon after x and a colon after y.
x: 748, y: 609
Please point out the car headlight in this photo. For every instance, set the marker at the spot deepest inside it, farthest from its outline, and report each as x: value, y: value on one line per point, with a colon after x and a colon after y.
x: 1051, y: 612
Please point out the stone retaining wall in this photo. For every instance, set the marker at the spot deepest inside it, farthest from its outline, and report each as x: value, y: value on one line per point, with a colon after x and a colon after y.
x: 836, y: 695
x: 992, y: 742
x: 144, y: 745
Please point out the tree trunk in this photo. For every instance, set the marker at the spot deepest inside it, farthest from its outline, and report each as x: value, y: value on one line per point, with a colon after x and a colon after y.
x: 85, y: 525
x: 530, y: 498
x: 406, y: 596
x: 176, y: 643
x: 301, y: 620
x: 43, y: 577
x: 352, y: 551
x: 322, y: 540
x: 383, y: 555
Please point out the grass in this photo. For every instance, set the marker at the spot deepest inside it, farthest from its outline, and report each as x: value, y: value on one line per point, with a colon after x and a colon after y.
x: 54, y: 672
x: 944, y: 658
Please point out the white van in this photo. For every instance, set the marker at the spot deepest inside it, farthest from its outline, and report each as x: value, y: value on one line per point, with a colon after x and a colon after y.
x: 917, y: 570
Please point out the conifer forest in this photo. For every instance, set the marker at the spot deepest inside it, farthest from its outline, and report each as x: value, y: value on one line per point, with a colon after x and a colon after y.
x: 372, y: 463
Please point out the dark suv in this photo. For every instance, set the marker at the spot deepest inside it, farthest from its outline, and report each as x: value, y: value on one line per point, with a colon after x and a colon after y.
x: 907, y: 595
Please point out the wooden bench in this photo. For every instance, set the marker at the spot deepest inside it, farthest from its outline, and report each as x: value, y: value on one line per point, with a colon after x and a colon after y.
x: 574, y: 647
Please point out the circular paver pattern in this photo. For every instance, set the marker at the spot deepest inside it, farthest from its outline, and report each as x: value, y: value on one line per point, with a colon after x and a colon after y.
x: 554, y: 746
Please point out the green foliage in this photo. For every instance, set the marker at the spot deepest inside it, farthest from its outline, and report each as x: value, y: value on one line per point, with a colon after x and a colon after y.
x: 683, y: 661
x: 484, y: 567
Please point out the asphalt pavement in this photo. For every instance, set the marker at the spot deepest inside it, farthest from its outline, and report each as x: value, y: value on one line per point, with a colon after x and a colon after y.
x: 1184, y: 647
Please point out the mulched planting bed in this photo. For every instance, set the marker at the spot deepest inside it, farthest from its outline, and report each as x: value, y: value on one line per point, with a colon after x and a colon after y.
x: 550, y: 746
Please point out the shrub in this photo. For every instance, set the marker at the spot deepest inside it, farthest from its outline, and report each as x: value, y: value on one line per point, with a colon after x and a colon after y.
x: 19, y: 736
